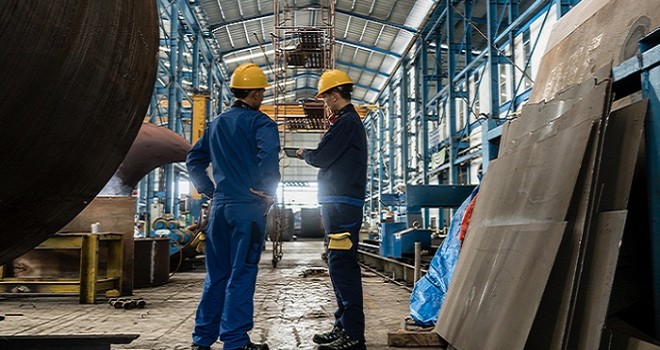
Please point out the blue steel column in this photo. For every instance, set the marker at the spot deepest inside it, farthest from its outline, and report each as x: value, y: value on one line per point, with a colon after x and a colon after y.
x: 488, y: 150
x: 142, y: 200
x: 178, y: 126
x: 153, y: 110
x: 391, y: 120
x: 467, y: 33
x: 221, y: 97
x: 512, y: 14
x: 151, y: 182
x: 425, y: 120
x: 467, y: 41
x: 175, y: 209
x: 403, y: 97
x: 195, y: 62
x: 438, y: 76
x: 424, y: 110
x: 148, y: 181
x: 438, y: 63
x: 223, y: 89
x: 212, y: 94
x: 651, y: 89
x: 451, y: 91
x: 172, y: 102
x: 564, y: 6
x: 381, y: 135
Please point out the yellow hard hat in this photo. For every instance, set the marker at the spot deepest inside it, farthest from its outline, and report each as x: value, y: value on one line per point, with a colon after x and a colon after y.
x: 331, y: 79
x: 248, y: 76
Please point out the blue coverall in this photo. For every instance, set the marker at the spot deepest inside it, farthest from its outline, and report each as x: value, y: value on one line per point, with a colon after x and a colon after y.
x: 243, y: 145
x: 342, y: 158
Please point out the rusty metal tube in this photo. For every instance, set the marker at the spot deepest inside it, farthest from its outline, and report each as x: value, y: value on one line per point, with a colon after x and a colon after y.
x: 154, y: 146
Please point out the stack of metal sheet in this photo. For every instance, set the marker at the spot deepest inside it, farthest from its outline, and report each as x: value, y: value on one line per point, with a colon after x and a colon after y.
x: 538, y: 263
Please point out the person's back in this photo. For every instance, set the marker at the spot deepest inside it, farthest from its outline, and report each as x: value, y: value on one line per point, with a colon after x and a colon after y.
x: 237, y: 138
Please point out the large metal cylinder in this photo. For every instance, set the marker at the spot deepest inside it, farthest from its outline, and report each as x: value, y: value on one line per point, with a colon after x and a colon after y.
x: 153, y: 147
x: 77, y: 77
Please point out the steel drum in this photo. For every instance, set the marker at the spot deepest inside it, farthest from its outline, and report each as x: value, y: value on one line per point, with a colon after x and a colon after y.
x: 77, y: 77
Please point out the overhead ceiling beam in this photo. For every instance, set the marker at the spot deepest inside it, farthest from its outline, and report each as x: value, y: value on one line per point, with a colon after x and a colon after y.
x: 369, y: 48
x: 355, y: 66
x: 218, y: 26
x: 349, y: 65
x: 316, y: 75
x: 313, y: 90
x: 377, y: 20
x: 340, y: 41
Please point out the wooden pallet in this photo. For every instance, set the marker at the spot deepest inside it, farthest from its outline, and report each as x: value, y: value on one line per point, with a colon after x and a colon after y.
x: 411, y: 339
x: 412, y: 335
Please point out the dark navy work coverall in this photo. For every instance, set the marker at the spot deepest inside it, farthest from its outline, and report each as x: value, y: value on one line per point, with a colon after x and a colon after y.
x: 243, y: 145
x: 342, y: 158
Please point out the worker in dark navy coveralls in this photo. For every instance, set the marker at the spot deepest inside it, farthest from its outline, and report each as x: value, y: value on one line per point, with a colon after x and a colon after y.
x: 243, y: 145
x: 341, y: 157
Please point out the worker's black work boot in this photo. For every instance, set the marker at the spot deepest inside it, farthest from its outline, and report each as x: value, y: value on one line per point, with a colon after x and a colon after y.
x: 253, y: 346
x: 328, y: 337
x: 345, y: 342
x: 200, y: 347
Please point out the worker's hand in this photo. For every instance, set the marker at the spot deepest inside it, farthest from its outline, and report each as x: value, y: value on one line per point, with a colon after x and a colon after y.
x: 268, y: 200
x: 299, y: 152
x: 199, y: 242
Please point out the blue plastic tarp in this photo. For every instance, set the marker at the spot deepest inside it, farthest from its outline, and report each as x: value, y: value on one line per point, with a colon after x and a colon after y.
x: 429, y: 292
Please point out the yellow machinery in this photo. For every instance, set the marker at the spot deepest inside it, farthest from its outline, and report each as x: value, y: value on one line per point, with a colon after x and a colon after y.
x: 88, y: 284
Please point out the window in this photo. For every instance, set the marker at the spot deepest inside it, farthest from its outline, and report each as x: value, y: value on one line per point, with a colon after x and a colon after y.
x: 504, y: 84
x: 527, y: 53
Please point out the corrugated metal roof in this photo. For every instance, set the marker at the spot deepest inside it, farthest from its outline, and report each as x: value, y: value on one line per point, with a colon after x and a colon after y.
x: 371, y: 37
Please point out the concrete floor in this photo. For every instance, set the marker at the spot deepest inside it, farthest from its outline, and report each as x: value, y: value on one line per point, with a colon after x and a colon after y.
x: 289, y: 308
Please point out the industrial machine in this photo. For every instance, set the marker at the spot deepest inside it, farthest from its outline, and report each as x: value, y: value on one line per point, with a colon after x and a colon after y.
x: 397, y: 239
x: 169, y: 227
x: 385, y: 236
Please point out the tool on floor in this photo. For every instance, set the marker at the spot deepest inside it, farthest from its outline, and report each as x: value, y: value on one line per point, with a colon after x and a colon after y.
x: 127, y: 303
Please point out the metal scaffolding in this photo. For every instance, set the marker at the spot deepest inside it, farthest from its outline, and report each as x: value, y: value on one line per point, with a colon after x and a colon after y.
x: 301, y: 50
x: 303, y: 45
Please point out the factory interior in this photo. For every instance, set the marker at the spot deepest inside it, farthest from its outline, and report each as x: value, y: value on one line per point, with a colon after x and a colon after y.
x: 512, y: 171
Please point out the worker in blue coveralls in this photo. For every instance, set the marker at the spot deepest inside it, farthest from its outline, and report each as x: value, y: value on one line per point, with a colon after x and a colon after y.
x: 242, y: 145
x: 341, y: 157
